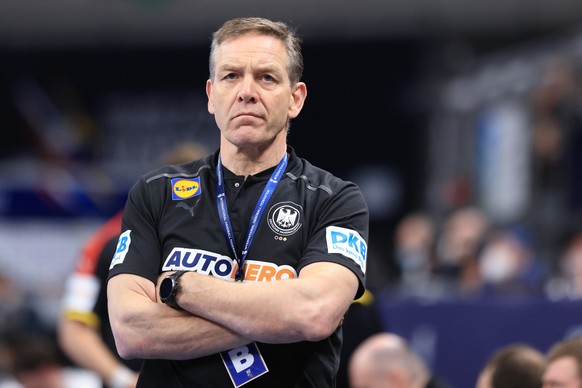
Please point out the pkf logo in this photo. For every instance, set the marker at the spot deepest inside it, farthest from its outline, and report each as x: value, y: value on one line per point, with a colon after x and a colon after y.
x: 185, y: 188
x: 285, y: 218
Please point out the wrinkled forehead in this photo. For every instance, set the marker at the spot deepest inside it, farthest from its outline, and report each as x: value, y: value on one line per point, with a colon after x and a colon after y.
x: 253, y: 45
x: 252, y: 48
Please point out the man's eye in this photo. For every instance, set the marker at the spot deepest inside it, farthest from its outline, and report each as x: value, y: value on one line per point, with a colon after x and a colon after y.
x: 268, y: 78
x: 230, y: 76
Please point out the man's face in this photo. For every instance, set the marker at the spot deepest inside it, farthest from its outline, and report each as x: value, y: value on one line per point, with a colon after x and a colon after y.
x: 562, y: 373
x: 250, y: 95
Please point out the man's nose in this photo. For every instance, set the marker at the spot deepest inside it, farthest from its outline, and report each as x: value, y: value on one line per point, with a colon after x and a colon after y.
x: 248, y: 90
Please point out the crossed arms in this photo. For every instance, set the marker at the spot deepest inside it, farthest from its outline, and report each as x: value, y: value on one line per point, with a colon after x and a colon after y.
x: 220, y: 315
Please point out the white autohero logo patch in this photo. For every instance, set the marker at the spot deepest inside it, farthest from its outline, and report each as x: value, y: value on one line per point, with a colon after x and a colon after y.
x: 347, y: 242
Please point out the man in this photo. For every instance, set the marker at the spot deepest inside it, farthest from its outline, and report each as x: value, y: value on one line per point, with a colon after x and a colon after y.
x: 564, y: 365
x: 239, y: 268
x: 386, y: 360
x: 513, y: 366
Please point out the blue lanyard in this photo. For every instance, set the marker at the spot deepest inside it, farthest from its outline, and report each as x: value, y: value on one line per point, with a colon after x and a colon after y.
x: 256, y: 217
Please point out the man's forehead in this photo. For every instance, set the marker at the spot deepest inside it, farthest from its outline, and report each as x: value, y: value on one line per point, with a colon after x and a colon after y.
x: 236, y: 62
x: 252, y: 46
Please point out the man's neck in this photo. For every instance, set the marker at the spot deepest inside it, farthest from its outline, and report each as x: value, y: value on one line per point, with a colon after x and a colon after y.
x: 250, y: 162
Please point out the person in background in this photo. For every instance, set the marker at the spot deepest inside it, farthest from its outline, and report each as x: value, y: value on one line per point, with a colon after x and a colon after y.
x: 509, y: 268
x: 238, y: 268
x: 16, y: 307
x: 458, y: 247
x: 513, y: 366
x: 34, y: 361
x: 386, y: 360
x: 414, y: 245
x: 566, y: 284
x: 84, y: 332
x: 564, y: 364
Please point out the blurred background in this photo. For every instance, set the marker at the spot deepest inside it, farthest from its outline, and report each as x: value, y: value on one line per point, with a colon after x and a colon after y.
x: 461, y: 121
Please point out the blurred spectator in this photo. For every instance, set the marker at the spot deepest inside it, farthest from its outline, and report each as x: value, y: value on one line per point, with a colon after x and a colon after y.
x: 35, y: 362
x: 508, y: 267
x: 564, y: 364
x: 513, y: 366
x: 386, y: 360
x: 557, y: 164
x: 567, y: 283
x: 414, y: 254
x: 15, y: 307
x: 459, y: 246
x: 84, y: 331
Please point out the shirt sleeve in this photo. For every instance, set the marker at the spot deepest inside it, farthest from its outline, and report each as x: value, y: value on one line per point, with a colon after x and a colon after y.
x: 138, y: 250
x: 341, y: 233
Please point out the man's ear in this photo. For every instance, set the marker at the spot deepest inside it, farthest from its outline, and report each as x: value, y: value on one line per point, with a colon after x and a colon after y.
x: 209, y: 95
x: 297, y: 99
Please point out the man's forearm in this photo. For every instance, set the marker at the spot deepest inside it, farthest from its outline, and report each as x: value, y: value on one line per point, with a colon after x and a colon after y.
x: 285, y: 311
x: 146, y: 329
x: 182, y: 337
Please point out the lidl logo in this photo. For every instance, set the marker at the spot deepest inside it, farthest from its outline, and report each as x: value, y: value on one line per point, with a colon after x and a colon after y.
x: 185, y: 188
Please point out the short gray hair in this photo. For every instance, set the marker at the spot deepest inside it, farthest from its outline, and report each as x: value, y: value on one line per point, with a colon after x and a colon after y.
x: 241, y: 26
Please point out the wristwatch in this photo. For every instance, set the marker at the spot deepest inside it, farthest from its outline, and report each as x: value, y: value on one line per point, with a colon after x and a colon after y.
x: 169, y: 289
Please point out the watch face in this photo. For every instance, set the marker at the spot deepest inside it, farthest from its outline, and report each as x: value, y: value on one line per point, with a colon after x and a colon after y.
x: 166, y: 288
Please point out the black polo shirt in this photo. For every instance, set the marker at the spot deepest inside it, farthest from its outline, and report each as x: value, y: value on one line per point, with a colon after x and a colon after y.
x: 171, y: 222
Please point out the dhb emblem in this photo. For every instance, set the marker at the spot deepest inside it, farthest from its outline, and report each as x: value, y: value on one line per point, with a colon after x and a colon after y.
x: 285, y: 218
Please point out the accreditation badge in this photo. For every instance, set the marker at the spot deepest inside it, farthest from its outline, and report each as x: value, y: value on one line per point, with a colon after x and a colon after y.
x: 244, y: 364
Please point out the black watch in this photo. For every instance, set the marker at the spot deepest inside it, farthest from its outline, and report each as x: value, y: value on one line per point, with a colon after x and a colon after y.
x: 169, y: 289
